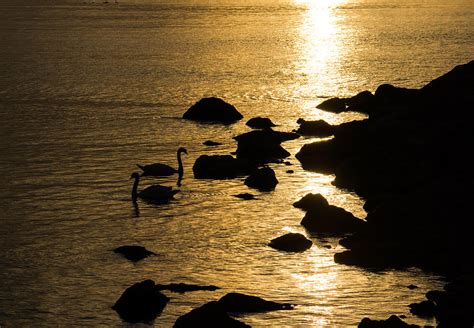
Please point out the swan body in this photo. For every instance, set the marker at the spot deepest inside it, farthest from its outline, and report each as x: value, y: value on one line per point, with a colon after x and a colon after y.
x: 159, y: 169
x: 155, y: 193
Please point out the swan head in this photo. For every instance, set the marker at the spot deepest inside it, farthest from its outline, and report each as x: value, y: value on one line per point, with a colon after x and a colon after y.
x: 135, y: 175
x: 182, y: 150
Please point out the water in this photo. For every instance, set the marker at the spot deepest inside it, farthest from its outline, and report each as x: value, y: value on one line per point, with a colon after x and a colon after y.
x: 88, y: 90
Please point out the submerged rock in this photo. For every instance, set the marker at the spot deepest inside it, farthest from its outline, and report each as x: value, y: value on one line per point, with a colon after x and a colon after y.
x: 212, y: 314
x: 183, y: 288
x: 245, y: 196
x: 313, y: 202
x: 142, y: 302
x: 211, y: 143
x: 133, y: 253
x: 213, y: 110
x: 221, y: 167
x: 241, y: 303
x: 291, y: 242
x: 392, y: 322
x: 260, y: 123
x: 263, y: 179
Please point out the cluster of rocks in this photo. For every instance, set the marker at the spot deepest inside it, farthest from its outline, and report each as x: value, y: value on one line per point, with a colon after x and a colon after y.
x: 410, y: 160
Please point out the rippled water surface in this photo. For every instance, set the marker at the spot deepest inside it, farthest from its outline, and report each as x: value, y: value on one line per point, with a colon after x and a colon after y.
x: 87, y: 90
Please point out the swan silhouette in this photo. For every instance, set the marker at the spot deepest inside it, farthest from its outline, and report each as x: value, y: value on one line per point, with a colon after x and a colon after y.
x: 154, y: 193
x: 159, y: 169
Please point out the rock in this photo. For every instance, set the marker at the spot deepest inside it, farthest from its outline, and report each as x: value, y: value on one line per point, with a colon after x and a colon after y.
x: 211, y: 143
x: 212, y: 314
x: 362, y: 102
x: 290, y: 171
x: 245, y: 196
x: 141, y: 302
x: 392, y: 322
x: 423, y: 309
x: 389, y: 94
x: 335, y: 105
x: 183, y: 288
x: 221, y: 167
x: 312, y: 202
x: 318, y: 128
x: 260, y: 123
x: 412, y: 287
x: 133, y: 253
x: 291, y: 242
x: 241, y: 303
x: 263, y: 179
x: 213, y: 110
x: 324, y: 218
x: 263, y: 146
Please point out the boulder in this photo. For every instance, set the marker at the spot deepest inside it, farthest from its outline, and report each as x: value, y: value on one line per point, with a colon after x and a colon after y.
x: 212, y: 314
x: 312, y: 202
x: 389, y: 94
x: 335, y: 105
x: 423, y: 309
x: 213, y: 110
x: 133, y: 253
x: 318, y: 128
x: 263, y: 146
x: 291, y: 242
x: 211, y: 143
x: 245, y: 196
x: 263, y: 179
x: 141, y: 302
x: 241, y: 303
x: 221, y: 167
x: 363, y: 102
x: 260, y: 123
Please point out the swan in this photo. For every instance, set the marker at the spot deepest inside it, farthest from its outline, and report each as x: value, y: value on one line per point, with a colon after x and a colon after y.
x: 154, y: 193
x: 159, y: 169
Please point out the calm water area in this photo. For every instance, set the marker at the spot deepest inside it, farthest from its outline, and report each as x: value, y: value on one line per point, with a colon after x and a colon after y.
x: 88, y: 90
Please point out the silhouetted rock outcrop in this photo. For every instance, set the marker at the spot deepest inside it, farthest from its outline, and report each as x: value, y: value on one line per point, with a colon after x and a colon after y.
x: 392, y: 322
x: 221, y: 167
x: 263, y: 146
x: 142, y: 302
x: 423, y: 309
x: 133, y: 253
x: 291, y: 242
x: 183, y: 288
x: 260, y: 123
x: 211, y: 143
x: 211, y: 314
x: 324, y: 218
x: 241, y: 303
x: 318, y: 128
x: 335, y: 105
x: 263, y: 179
x: 245, y: 196
x: 213, y: 110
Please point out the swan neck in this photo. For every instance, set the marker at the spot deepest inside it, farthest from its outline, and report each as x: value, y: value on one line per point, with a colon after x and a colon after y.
x: 180, y: 164
x: 135, y: 188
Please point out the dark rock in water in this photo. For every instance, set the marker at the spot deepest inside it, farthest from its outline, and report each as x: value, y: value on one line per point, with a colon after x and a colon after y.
x: 318, y: 128
x: 392, y: 322
x: 221, y: 167
x: 287, y: 163
x: 241, y: 303
x: 263, y: 179
x: 321, y: 156
x: 335, y: 105
x: 183, y: 288
x: 260, y: 123
x: 211, y: 314
x: 362, y: 102
x: 263, y: 146
x: 211, y: 143
x: 313, y: 202
x: 245, y: 196
x: 389, y: 94
x: 291, y: 242
x: 324, y: 218
x: 141, y: 302
x: 290, y: 171
x: 213, y: 110
x: 412, y: 287
x: 133, y: 253
x: 423, y: 309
